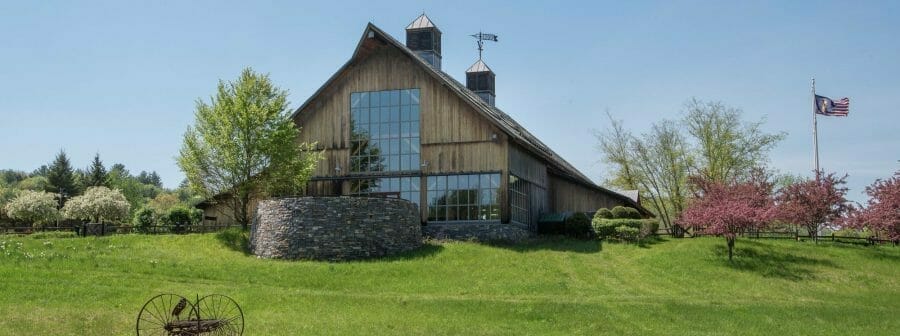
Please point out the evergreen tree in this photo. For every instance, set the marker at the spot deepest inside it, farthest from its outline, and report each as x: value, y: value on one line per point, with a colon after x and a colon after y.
x: 42, y: 171
x: 97, y: 175
x: 61, y: 177
x: 151, y: 178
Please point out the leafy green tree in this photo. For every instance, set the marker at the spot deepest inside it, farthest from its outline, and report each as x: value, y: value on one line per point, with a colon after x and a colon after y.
x: 9, y: 177
x: 34, y: 183
x: 35, y: 207
x: 97, y: 175
x: 728, y: 148
x: 713, y: 143
x: 61, y: 176
x: 135, y: 192
x: 244, y: 145
x: 98, y: 204
x: 7, y: 194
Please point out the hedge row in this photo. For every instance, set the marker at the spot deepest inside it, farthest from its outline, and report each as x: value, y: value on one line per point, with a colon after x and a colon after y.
x: 605, y: 228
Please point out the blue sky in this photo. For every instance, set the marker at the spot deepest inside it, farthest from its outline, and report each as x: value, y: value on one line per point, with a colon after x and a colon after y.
x: 121, y: 77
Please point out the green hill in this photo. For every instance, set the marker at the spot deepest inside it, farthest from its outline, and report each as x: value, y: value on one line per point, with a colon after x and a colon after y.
x: 96, y: 286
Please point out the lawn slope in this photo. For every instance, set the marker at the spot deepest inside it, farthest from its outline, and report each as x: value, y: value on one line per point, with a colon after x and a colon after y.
x: 95, y: 286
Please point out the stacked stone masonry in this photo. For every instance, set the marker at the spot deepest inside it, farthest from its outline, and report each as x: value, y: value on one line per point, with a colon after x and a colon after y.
x: 477, y: 231
x: 334, y: 228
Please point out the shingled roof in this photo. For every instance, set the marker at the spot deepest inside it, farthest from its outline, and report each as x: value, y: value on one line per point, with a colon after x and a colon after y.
x: 558, y: 165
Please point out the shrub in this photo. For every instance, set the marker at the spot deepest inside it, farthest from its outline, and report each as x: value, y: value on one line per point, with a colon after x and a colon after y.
x: 605, y: 228
x: 35, y: 207
x: 621, y: 212
x: 603, y: 213
x: 144, y: 219
x: 179, y: 217
x: 578, y: 225
x: 627, y: 233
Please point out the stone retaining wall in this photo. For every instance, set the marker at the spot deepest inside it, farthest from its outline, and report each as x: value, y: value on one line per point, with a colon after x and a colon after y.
x: 334, y: 228
x: 509, y: 232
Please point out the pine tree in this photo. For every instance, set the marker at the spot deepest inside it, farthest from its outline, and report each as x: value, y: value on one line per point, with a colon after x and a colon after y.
x: 61, y: 177
x: 97, y: 175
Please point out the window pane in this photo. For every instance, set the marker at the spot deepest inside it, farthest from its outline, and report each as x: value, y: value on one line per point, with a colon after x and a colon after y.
x: 374, y: 99
x: 404, y: 129
x: 395, y: 97
x: 385, y: 131
x: 404, y: 113
x: 414, y: 161
x: 385, y: 98
x: 451, y: 213
x: 473, y: 181
x: 414, y: 112
x: 414, y: 96
x: 395, y: 114
x: 384, y: 114
x: 414, y: 145
x: 404, y: 97
x: 363, y: 116
x: 452, y: 182
x: 441, y: 182
x: 414, y: 129
x: 363, y: 99
x: 394, y: 131
x: 394, y: 164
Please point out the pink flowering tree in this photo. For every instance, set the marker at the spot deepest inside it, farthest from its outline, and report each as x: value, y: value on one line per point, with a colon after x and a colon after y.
x: 882, y: 212
x: 814, y: 203
x: 729, y: 209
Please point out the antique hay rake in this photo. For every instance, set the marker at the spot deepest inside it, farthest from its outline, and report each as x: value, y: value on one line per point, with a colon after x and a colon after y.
x: 174, y: 315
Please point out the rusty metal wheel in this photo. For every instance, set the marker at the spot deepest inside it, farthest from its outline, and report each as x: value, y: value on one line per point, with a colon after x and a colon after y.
x: 219, y: 315
x: 160, y: 312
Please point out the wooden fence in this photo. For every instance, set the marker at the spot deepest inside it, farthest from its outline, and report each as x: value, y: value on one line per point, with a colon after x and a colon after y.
x: 104, y: 229
x: 795, y: 235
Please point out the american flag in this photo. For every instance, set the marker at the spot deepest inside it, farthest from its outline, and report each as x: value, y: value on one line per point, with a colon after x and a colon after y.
x: 827, y: 106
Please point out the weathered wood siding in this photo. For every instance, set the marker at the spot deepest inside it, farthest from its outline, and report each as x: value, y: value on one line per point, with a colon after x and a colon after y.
x: 566, y: 195
x: 527, y: 167
x: 454, y: 137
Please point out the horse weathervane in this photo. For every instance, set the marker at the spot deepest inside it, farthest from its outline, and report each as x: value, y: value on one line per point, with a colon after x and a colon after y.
x: 481, y: 37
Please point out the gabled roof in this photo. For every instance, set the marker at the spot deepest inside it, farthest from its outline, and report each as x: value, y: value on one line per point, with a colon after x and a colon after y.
x: 558, y: 166
x: 478, y: 67
x: 421, y: 22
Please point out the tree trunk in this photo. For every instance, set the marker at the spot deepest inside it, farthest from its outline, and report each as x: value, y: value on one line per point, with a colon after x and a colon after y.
x: 730, y: 241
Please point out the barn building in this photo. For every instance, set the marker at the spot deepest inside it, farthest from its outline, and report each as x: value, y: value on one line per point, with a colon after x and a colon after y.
x: 392, y: 123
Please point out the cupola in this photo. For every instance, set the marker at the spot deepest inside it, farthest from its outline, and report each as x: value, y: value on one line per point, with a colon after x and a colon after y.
x: 424, y: 38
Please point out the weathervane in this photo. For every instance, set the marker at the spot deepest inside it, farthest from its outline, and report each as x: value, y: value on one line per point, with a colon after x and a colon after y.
x: 481, y: 37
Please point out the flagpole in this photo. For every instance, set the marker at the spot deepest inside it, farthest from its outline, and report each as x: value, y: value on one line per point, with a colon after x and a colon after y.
x: 815, y: 127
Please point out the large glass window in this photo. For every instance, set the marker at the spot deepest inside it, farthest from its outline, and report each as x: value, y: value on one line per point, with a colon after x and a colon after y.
x: 384, y: 131
x: 395, y: 187
x: 463, y: 197
x: 518, y: 200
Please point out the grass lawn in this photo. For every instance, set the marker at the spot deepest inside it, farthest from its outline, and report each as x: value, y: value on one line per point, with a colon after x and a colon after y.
x: 96, y: 286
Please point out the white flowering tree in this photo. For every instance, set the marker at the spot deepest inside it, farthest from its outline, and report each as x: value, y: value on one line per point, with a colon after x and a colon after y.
x: 36, y: 207
x: 98, y: 204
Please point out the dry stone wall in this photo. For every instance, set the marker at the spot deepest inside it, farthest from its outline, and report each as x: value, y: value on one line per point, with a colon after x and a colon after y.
x: 334, y: 228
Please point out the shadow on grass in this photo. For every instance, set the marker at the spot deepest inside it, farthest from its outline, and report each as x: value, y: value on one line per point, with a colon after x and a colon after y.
x: 427, y: 250
x: 235, y: 240
x: 550, y: 243
x: 765, y: 260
